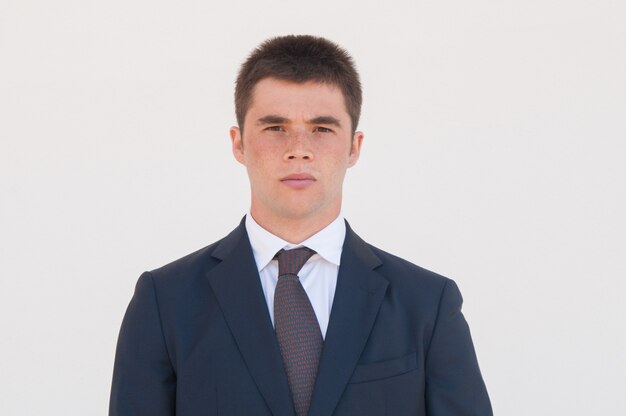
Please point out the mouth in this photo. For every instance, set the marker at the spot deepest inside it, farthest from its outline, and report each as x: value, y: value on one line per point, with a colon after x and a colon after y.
x: 298, y: 180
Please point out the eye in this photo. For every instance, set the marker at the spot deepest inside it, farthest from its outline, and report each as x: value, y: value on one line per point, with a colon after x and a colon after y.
x: 322, y: 130
x: 275, y: 128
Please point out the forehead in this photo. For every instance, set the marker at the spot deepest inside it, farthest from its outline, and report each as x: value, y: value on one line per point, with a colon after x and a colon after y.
x: 271, y: 95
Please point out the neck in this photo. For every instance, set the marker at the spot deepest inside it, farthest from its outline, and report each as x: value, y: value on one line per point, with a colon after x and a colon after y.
x: 293, y: 230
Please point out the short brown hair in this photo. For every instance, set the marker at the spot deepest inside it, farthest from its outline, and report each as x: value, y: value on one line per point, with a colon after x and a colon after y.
x: 299, y: 58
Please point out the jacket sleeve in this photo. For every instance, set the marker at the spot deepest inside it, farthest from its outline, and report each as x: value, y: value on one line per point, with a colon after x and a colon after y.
x: 144, y: 382
x: 454, y: 385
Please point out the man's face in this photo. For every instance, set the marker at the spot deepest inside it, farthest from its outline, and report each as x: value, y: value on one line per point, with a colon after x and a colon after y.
x: 297, y: 144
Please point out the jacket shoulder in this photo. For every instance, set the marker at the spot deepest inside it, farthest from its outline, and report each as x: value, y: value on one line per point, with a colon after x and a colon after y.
x: 187, y: 265
x: 199, y: 262
x: 405, y: 273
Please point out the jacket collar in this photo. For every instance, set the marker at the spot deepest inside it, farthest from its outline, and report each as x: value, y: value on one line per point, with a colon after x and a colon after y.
x: 358, y: 296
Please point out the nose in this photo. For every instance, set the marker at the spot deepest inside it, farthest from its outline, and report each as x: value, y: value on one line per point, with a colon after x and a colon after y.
x: 298, y: 147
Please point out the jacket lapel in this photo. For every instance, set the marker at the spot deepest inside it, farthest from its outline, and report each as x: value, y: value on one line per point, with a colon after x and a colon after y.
x: 358, y: 296
x: 237, y: 287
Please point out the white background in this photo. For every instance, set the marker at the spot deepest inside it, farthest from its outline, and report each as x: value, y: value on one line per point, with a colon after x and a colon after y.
x: 494, y: 154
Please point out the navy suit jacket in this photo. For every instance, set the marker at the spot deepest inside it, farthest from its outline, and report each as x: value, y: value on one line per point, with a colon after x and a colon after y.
x: 197, y: 339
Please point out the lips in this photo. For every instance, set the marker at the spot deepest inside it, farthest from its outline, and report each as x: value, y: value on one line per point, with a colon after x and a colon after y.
x: 298, y: 180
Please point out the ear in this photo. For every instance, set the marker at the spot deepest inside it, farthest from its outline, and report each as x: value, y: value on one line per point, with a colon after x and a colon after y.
x: 237, y: 142
x: 355, y: 148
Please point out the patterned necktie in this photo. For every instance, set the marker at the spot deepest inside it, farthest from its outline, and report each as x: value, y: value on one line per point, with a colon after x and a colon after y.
x: 297, y: 330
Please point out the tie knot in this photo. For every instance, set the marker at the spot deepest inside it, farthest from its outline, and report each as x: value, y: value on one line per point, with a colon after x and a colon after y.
x: 291, y: 261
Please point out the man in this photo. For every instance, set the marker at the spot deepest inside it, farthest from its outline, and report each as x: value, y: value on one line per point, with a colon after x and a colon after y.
x: 292, y: 313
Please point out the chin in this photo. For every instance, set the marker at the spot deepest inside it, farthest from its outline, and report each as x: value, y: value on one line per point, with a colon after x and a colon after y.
x: 307, y: 211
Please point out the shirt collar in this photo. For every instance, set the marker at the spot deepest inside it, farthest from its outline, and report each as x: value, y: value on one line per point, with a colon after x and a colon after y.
x: 327, y: 242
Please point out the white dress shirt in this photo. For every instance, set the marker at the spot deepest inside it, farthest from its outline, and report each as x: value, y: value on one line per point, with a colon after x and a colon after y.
x: 318, y: 275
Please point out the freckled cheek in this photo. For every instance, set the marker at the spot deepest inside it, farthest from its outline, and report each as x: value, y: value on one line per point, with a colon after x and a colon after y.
x: 266, y: 152
x: 335, y: 160
x: 263, y: 170
x: 261, y: 154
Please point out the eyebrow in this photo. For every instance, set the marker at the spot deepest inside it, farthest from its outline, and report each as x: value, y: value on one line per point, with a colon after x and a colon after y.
x: 325, y: 120
x: 274, y: 119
